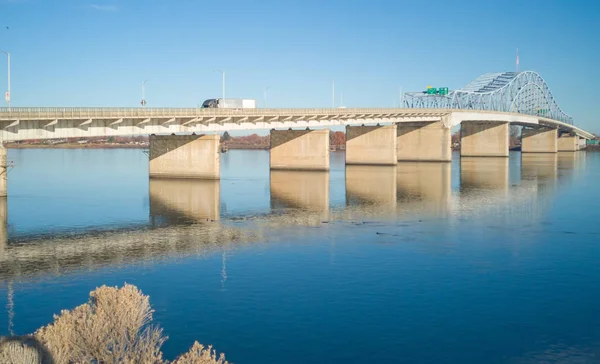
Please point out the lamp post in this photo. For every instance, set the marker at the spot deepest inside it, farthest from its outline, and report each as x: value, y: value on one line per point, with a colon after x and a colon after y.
x: 265, y: 94
x: 333, y: 94
x: 7, y: 97
x: 223, y: 76
x: 144, y: 93
x: 400, y: 104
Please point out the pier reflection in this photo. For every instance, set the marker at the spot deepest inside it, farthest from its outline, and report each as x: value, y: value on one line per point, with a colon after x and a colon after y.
x: 539, y: 167
x: 3, y: 224
x: 487, y: 173
x: 371, y: 186
x: 302, y: 190
x: 61, y: 255
x: 571, y: 163
x: 484, y: 186
x: 424, y: 186
x: 176, y: 201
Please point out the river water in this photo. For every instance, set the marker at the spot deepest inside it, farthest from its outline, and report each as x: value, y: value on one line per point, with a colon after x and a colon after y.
x: 479, y: 261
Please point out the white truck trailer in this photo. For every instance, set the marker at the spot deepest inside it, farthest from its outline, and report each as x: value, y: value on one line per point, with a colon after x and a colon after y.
x: 230, y: 103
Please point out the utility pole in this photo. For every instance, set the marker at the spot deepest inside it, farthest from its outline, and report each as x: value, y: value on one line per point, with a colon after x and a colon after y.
x: 400, y: 104
x: 144, y: 93
x: 223, y: 79
x: 265, y: 96
x: 333, y: 94
x: 517, y: 59
x: 7, y: 96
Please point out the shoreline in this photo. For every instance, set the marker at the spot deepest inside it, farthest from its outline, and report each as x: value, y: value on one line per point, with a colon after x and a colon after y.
x: 75, y: 146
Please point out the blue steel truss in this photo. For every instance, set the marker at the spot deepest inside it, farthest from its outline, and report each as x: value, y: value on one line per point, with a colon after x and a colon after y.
x: 520, y: 92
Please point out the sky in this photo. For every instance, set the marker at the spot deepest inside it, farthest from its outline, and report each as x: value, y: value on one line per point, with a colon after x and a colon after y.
x: 71, y: 53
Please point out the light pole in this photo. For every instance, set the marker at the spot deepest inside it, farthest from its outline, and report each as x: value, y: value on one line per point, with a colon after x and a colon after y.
x: 400, y: 104
x: 265, y: 94
x: 7, y: 97
x: 333, y: 94
x: 144, y: 93
x: 223, y: 75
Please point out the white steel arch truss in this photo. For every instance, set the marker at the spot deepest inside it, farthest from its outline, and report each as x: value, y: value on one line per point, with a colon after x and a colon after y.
x: 522, y: 92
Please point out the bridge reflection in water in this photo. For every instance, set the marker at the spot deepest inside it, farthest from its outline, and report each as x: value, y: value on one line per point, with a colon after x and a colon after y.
x: 184, y: 201
x: 3, y: 224
x: 571, y: 163
x: 373, y: 186
x: 539, y: 166
x: 489, y: 173
x: 424, y: 187
x: 184, y: 215
x: 306, y: 192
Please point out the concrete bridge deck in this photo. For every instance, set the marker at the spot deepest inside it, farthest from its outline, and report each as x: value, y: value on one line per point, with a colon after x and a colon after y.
x: 49, y: 123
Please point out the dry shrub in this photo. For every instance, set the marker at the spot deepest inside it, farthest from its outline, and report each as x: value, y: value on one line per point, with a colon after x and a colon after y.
x: 23, y: 350
x: 198, y: 354
x: 113, y: 327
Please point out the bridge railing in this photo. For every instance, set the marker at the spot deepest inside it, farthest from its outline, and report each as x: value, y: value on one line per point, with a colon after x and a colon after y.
x: 68, y: 112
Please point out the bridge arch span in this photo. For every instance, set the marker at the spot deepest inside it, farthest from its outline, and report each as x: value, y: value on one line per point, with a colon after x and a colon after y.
x: 518, y: 92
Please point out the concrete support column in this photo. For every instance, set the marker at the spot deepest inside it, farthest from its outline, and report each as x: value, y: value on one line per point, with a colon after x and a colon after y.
x: 539, y: 140
x: 568, y: 143
x: 371, y: 145
x: 3, y: 172
x: 185, y: 156
x: 424, y: 142
x: 484, y: 139
x: 300, y: 149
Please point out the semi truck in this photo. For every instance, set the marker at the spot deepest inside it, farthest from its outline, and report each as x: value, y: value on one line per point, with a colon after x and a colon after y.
x: 230, y: 103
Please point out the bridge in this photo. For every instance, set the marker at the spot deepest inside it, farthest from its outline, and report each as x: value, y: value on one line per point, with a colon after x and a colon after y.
x: 181, y: 144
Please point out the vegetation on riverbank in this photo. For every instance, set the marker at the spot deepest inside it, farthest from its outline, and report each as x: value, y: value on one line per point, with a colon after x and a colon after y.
x: 75, y: 146
x: 115, y: 326
x: 111, y: 142
x: 593, y: 148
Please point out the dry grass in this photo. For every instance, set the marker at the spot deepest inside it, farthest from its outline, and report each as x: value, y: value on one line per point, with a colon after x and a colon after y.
x: 23, y: 350
x: 198, y: 354
x: 113, y: 327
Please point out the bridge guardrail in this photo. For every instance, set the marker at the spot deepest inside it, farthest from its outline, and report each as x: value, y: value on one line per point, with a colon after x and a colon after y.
x: 58, y: 112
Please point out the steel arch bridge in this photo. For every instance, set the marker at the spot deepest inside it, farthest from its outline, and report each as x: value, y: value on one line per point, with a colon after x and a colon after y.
x: 519, y: 92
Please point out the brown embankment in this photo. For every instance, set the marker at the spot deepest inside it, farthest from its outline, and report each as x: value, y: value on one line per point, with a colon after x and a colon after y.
x: 74, y: 146
x: 242, y: 146
x: 592, y: 148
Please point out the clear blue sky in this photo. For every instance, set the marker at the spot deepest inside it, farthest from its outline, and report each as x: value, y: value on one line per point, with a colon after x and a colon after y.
x: 97, y: 53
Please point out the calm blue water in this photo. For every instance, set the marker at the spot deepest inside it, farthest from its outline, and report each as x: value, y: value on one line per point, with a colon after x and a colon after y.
x: 479, y: 261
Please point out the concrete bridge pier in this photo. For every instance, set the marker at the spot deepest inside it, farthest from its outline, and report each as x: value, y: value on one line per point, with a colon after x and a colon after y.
x: 371, y: 145
x: 300, y: 150
x: 539, y: 140
x: 568, y: 143
x: 185, y: 156
x: 428, y: 141
x: 484, y: 139
x: 3, y: 172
